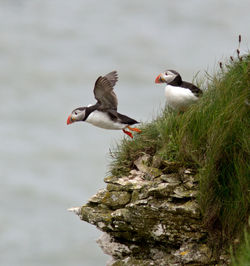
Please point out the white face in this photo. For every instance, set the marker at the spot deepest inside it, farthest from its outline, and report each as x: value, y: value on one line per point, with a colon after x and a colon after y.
x: 78, y: 115
x: 168, y: 76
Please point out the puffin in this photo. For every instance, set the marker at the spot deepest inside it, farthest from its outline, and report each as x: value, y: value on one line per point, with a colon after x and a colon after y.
x: 104, y: 113
x: 179, y: 94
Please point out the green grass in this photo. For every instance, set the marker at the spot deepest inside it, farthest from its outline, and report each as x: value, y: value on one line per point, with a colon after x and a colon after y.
x: 212, y: 136
x: 216, y: 136
x: 242, y: 256
x: 157, y: 137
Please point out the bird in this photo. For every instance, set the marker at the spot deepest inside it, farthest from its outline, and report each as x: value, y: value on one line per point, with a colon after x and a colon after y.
x: 104, y: 113
x: 179, y: 94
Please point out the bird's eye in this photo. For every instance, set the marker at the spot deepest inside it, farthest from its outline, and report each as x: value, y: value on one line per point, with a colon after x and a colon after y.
x: 166, y: 73
x: 75, y: 113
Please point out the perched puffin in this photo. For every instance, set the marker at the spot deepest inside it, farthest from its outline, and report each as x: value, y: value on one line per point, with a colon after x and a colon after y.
x: 104, y: 113
x: 179, y: 94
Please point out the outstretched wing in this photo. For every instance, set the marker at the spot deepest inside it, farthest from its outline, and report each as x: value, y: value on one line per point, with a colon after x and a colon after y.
x: 104, y: 93
x: 112, y: 78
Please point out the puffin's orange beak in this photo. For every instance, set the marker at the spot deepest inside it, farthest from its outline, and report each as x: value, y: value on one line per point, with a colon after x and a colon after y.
x: 159, y: 79
x: 69, y: 120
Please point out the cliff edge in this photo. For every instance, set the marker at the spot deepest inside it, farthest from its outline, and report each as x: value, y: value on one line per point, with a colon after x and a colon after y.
x: 151, y: 216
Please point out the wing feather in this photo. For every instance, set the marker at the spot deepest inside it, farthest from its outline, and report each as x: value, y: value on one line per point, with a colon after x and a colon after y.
x: 195, y: 90
x: 104, y: 93
x: 112, y: 78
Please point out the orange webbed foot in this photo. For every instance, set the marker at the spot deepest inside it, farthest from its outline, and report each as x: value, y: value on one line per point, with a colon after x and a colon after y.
x: 128, y: 133
x: 134, y: 129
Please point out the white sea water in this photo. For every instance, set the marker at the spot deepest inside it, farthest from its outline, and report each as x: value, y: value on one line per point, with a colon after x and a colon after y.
x: 51, y: 52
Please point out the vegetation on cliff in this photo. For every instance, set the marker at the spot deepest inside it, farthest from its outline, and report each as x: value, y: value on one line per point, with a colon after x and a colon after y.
x: 212, y: 137
x: 242, y: 257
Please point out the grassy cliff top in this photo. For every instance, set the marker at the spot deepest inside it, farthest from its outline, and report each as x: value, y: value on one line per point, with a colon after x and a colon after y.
x: 212, y: 137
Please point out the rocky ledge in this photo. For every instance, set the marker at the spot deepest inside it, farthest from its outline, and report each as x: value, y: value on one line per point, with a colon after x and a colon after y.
x: 151, y: 216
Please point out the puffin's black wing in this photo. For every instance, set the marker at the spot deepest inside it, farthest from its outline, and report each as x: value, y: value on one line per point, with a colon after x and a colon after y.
x: 195, y: 90
x: 126, y: 120
x: 104, y: 93
x: 117, y: 117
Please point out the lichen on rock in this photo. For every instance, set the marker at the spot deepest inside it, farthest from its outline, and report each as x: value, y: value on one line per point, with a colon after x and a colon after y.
x: 151, y: 216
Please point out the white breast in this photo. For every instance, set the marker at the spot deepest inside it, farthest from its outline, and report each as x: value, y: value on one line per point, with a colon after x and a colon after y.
x: 102, y: 119
x: 179, y: 98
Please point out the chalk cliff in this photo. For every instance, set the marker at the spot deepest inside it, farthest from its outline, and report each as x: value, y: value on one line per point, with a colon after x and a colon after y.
x: 151, y: 216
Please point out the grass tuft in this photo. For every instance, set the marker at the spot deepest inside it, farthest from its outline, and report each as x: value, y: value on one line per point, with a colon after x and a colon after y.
x: 156, y: 138
x: 242, y: 256
x: 216, y: 136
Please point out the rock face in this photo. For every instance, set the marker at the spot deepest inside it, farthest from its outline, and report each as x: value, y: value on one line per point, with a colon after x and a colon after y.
x: 150, y: 217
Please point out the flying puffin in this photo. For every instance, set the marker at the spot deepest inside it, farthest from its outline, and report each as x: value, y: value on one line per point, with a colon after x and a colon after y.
x: 179, y: 94
x: 104, y: 113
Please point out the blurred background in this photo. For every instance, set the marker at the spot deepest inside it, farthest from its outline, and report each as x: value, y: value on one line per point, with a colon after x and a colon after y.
x: 51, y: 52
